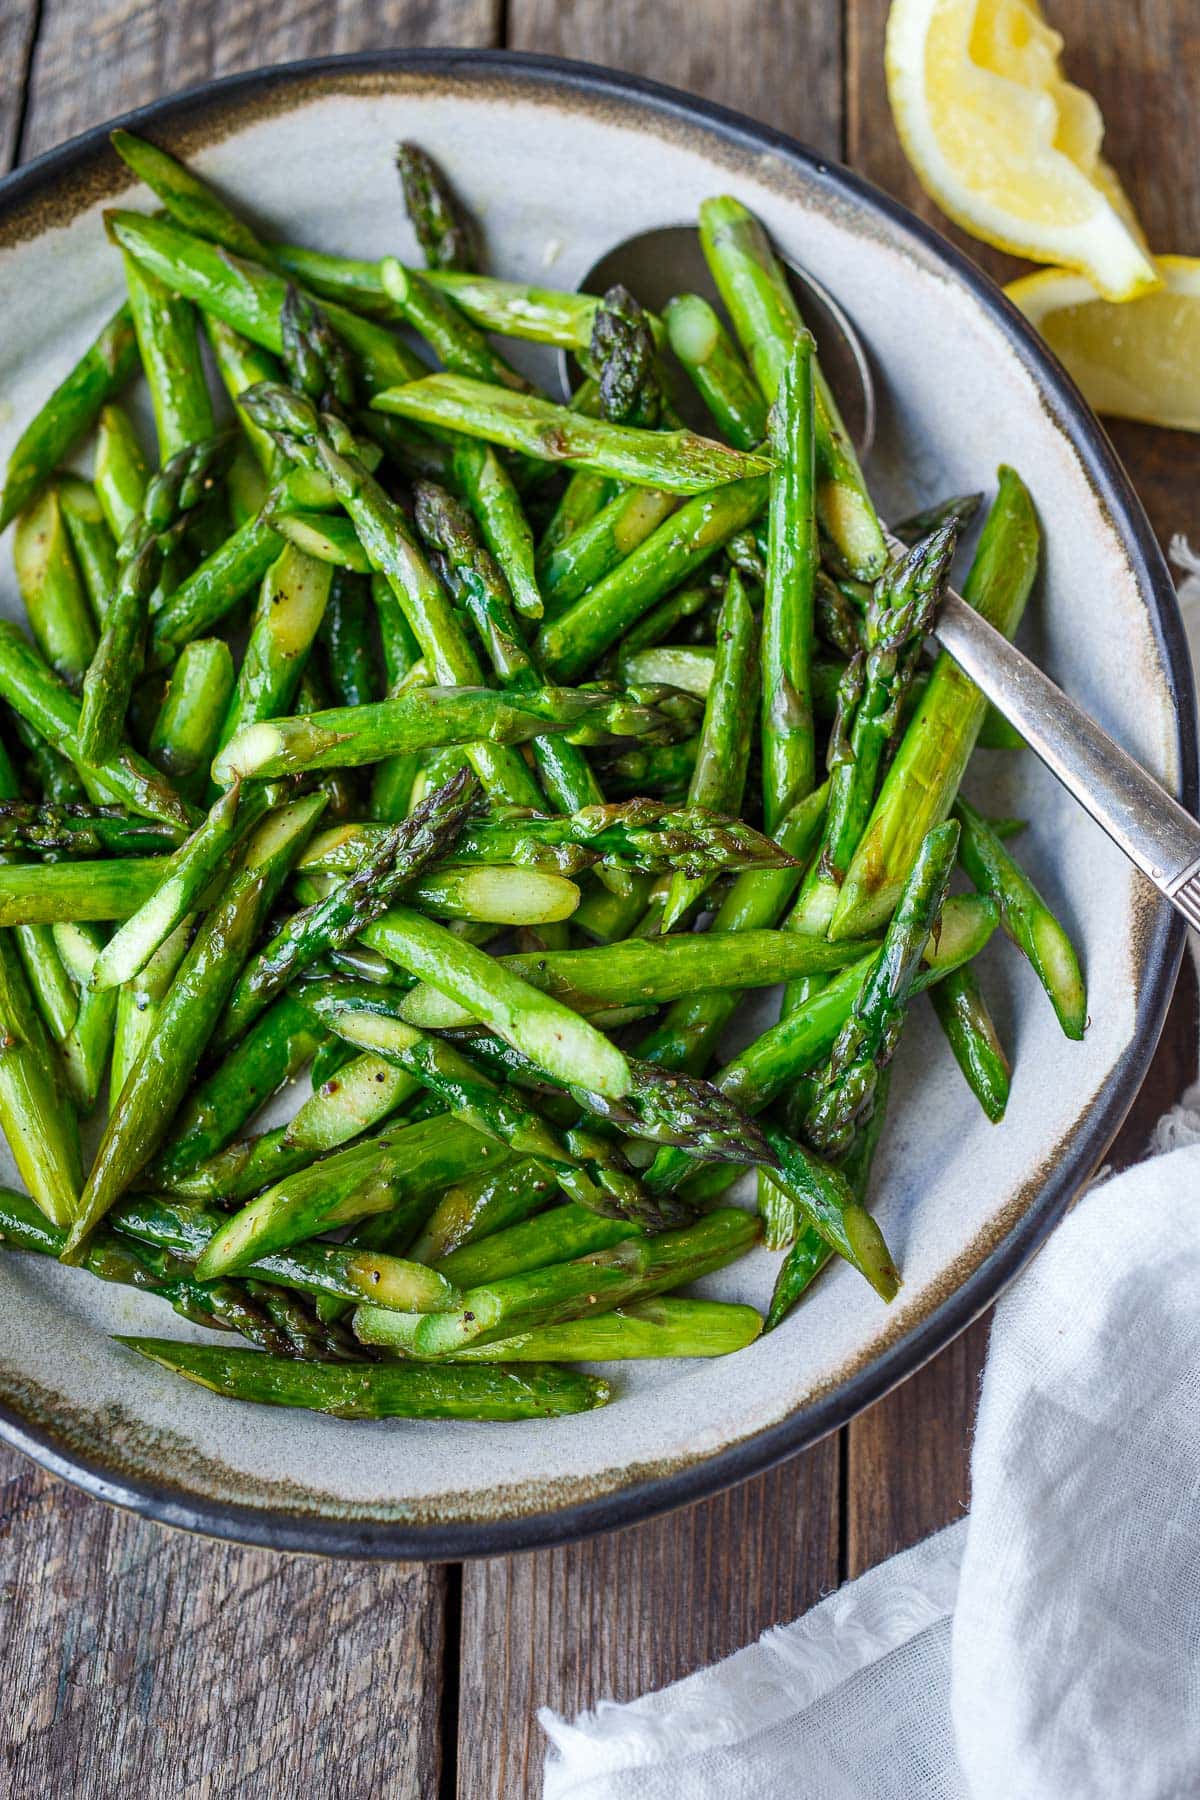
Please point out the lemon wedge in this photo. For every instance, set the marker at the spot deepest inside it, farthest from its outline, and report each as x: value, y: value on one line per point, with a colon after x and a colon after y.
x: 1139, y: 359
x: 1005, y: 145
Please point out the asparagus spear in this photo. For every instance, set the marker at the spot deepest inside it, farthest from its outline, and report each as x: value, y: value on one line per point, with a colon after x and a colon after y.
x: 624, y: 353
x: 91, y: 540
x: 458, y: 344
x: 923, y: 779
x: 442, y: 226
x: 579, y: 561
x: 35, y: 1115
x: 535, y: 1023
x: 181, y: 485
x: 139, y: 1005
x: 271, y: 1053
x: 379, y: 1390
x: 339, y: 1271
x: 867, y: 1041
x: 759, y: 301
x: 142, y: 1114
x: 711, y: 358
x: 405, y: 850
x: 248, y: 296
x: 656, y: 626
x: 222, y: 1305
x: 79, y: 828
x: 493, y: 498
x: 719, y: 776
x: 788, y: 749
x: 121, y: 471
x: 51, y: 587
x: 86, y: 1047
x: 643, y: 1328
x: 317, y: 361
x: 287, y: 616
x: 554, y: 1236
x: 571, y: 643
x: 169, y: 346
x: 69, y: 413
x: 679, y: 461
x: 189, y: 721
x: 324, y: 537
x: 689, y: 667
x: 649, y: 970
x: 36, y: 694
x: 964, y: 1017
x: 359, y: 1096
x: 395, y: 1171
x: 637, y: 1268
x: 178, y: 884
x: 388, y: 541
x: 900, y: 614
x: 1025, y: 917
x: 630, y: 834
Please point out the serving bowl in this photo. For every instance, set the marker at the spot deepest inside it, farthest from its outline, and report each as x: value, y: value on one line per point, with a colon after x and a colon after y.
x: 559, y: 161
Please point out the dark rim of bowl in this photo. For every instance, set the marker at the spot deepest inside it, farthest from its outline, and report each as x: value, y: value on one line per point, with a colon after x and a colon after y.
x: 639, y: 1500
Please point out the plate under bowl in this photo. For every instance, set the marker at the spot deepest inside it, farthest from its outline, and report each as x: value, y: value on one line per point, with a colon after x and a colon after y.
x: 559, y: 161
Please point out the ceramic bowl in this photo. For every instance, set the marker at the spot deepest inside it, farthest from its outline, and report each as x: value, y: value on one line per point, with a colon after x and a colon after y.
x: 558, y: 162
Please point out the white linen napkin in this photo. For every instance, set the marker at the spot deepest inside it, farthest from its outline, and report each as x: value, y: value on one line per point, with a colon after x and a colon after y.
x: 1047, y: 1647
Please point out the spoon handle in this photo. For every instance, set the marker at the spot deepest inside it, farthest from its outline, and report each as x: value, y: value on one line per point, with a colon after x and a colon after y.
x: 1137, y: 812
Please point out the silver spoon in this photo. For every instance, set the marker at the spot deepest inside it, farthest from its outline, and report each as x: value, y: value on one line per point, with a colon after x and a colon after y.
x: 1136, y: 811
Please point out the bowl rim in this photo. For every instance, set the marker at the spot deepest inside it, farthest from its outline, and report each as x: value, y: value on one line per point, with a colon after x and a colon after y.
x: 274, y: 1528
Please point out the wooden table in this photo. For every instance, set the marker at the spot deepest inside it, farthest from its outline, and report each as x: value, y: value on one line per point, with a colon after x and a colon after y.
x: 142, y: 1663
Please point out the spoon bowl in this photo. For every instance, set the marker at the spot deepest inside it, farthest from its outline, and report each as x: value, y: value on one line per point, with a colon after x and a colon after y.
x: 656, y: 265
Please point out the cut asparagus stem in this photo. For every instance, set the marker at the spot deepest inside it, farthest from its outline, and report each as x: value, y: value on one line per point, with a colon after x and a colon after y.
x: 637, y: 1268
x: 711, y: 358
x: 143, y: 1111
x: 643, y: 1328
x: 379, y: 1390
x: 99, y: 375
x: 394, y: 1170
x: 36, y: 1116
x: 788, y: 746
x: 538, y: 1025
x: 759, y: 301
x: 52, y: 589
x: 921, y: 784
x: 650, y: 971
x: 964, y: 1017
x: 679, y: 461
x: 1025, y: 918
x: 569, y: 644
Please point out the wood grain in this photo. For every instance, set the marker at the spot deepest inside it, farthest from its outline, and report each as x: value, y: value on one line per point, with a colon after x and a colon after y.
x: 631, y: 1611
x: 144, y: 1662
x: 96, y: 60
x: 779, y: 60
x: 17, y: 29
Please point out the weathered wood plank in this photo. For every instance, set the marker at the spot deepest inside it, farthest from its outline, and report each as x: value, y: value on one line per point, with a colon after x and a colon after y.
x: 142, y: 1661
x: 98, y: 60
x: 18, y: 21
x: 629, y: 1612
x: 779, y: 60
